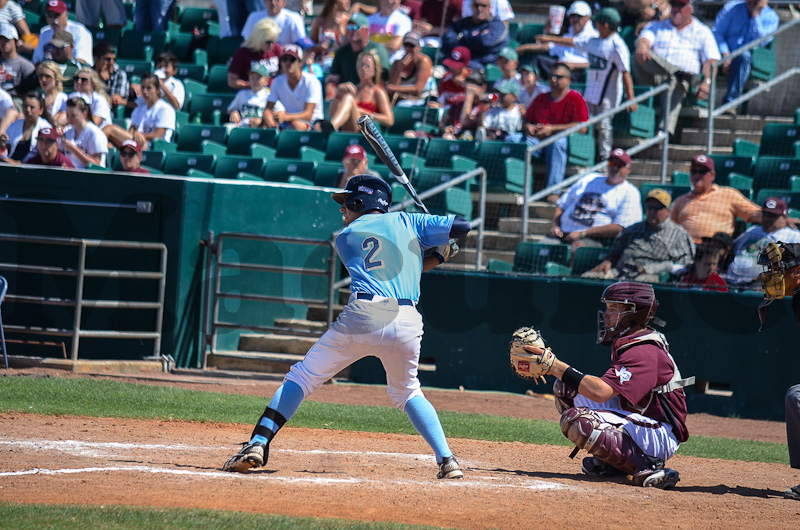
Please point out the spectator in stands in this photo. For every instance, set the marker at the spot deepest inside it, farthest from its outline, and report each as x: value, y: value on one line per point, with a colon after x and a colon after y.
x: 640, y: 13
x: 57, y: 21
x: 452, y: 85
x: 247, y: 108
x: 15, y: 71
x: 435, y: 18
x: 410, y: 80
x: 171, y: 87
x: 310, y: 63
x: 744, y: 269
x: 597, y: 207
x: 329, y: 28
x: 8, y: 113
x: 388, y: 27
x: 703, y: 273
x: 299, y: 92
x: 153, y: 15
x: 507, y: 61
x: 21, y: 134
x: 51, y: 82
x: 463, y: 115
x: 47, y: 153
x: 61, y: 50
x: 12, y: 13
x: 87, y: 12
x: 260, y: 47
x: 368, y: 98
x: 343, y: 69
x: 89, y: 87
x: 609, y: 72
x: 482, y: 33
x: 355, y: 162
x: 682, y: 48
x: 130, y: 157
x: 153, y: 118
x: 737, y: 24
x: 114, y: 77
x: 648, y: 248
x: 498, y: 121
x: 549, y: 114
x: 554, y: 49
x: 84, y: 143
x: 500, y: 9
x: 292, y: 27
x: 303, y: 7
x: 238, y: 11
x: 710, y: 208
x: 529, y: 86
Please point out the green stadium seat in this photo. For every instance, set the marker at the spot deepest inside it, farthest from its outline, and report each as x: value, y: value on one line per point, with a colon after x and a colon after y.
x: 492, y: 156
x: 225, y: 49
x: 742, y: 183
x: 339, y: 141
x: 498, y: 265
x: 587, y: 258
x: 195, y: 72
x: 794, y: 212
x: 160, y: 145
x: 191, y: 136
x: 431, y: 52
x: 208, y: 147
x: 328, y: 174
x: 197, y: 17
x: 527, y: 34
x: 279, y: 170
x: 295, y: 179
x: 134, y: 44
x: 181, y: 119
x: 196, y: 173
x: 425, y: 178
x: 777, y: 139
x: 513, y: 29
x: 743, y: 147
x: 180, y: 163
x: 724, y: 165
x: 493, y: 73
x: 405, y: 118
x: 638, y: 124
x: 218, y: 79
x: 153, y: 159
x: 200, y: 56
x: 794, y: 183
x: 109, y: 35
x: 457, y: 201
x: 229, y: 166
x: 792, y: 198
x: 248, y: 176
x: 774, y: 172
x: 262, y: 151
x: 290, y: 141
x: 192, y: 88
x: 135, y: 67
x: 210, y: 107
x: 401, y: 144
x: 241, y: 138
x: 213, y: 28
x: 533, y: 257
x: 680, y: 178
x: 180, y: 44
x: 581, y: 149
x: 763, y: 66
x: 440, y: 151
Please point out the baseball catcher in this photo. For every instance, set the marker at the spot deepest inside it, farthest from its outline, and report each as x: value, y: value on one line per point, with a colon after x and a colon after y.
x: 631, y: 419
x: 780, y: 278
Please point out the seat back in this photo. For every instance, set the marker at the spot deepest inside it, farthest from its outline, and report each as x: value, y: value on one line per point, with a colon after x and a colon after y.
x: 492, y: 156
x: 109, y: 35
x: 724, y: 165
x: 196, y: 17
x: 290, y: 141
x: 241, y: 138
x: 195, y: 72
x: 425, y: 178
x: 206, y: 105
x: 339, y: 141
x: 133, y: 43
x: 777, y: 139
x: 218, y: 79
x: 328, y: 174
x: 278, y: 170
x: 402, y: 144
x: 527, y: 35
x: 406, y: 117
x: 533, y: 257
x: 180, y: 163
x: 229, y: 166
x: 587, y: 258
x: 440, y: 151
x: 135, y: 67
x: 191, y: 136
x: 774, y: 172
x: 226, y: 47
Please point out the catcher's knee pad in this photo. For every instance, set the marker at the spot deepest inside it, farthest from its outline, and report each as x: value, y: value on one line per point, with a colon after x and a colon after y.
x: 589, y: 431
x: 564, y: 396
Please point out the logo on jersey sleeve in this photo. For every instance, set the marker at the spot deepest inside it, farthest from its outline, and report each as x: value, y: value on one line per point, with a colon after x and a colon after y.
x: 623, y: 374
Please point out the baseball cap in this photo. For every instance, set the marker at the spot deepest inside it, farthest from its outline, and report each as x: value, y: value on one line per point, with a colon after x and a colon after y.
x: 660, y: 195
x: 305, y: 43
x: 529, y: 68
x: 703, y: 161
x: 359, y: 20
x: 608, y: 15
x: 8, y: 31
x: 459, y: 58
x: 293, y: 50
x: 621, y: 155
x: 720, y: 238
x: 775, y: 206
x: 133, y: 145
x: 413, y: 38
x: 354, y: 151
x: 509, y: 54
x: 48, y: 132
x: 508, y: 87
x: 62, y: 38
x: 260, y: 69
x: 56, y: 6
x: 580, y: 8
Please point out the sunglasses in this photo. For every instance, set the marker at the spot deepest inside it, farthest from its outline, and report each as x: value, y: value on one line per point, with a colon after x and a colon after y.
x: 288, y: 59
x: 557, y: 77
x: 698, y: 171
x: 353, y: 27
x: 82, y: 80
x: 656, y: 207
x: 127, y: 152
x: 47, y: 141
x: 615, y: 163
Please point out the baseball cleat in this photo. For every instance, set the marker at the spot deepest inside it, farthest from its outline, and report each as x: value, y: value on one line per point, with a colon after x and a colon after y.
x: 594, y: 467
x: 449, y: 468
x: 662, y: 479
x: 250, y: 456
x: 792, y: 493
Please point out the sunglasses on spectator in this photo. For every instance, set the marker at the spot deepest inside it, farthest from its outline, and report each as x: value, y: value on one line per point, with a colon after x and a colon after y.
x: 698, y: 170
x: 47, y: 141
x: 51, y: 14
x: 656, y: 207
x: 288, y: 59
x: 557, y: 77
x: 616, y: 163
x: 127, y: 152
x: 82, y: 80
x: 353, y: 27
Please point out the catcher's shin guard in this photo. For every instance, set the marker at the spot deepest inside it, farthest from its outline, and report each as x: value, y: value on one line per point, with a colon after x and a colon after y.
x: 610, y: 444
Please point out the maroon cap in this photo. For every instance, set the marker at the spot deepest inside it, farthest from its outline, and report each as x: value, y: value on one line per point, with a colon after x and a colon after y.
x: 684, y: 2
x: 775, y: 206
x: 56, y: 6
x: 133, y: 145
x: 294, y: 50
x: 354, y: 151
x: 703, y: 161
x: 621, y: 155
x: 459, y: 58
x: 49, y: 132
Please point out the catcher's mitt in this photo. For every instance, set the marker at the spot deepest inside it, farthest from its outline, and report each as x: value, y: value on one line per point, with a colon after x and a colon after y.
x: 529, y: 365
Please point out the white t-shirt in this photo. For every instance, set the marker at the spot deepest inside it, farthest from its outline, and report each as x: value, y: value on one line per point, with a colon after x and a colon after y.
x: 745, y: 268
x: 58, y: 104
x: 687, y: 49
x: 14, y: 133
x: 6, y: 102
x: 249, y: 104
x: 308, y: 90
x: 525, y: 98
x: 160, y: 115
x: 509, y: 121
x: 500, y: 9
x: 83, y: 42
x: 569, y: 54
x: 98, y: 104
x: 382, y: 29
x: 175, y: 86
x: 91, y: 141
x: 292, y: 27
x: 593, y: 202
x: 608, y: 59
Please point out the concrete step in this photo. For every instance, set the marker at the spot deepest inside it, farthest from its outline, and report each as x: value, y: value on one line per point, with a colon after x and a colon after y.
x: 301, y: 325
x: 493, y: 240
x: 722, y: 137
x: 652, y: 167
x: 270, y: 342
x: 319, y: 312
x: 743, y: 123
x: 680, y: 153
x: 466, y: 258
x: 262, y: 362
x: 535, y: 226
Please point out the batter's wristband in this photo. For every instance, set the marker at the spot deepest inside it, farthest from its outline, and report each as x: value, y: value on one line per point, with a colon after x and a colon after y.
x: 438, y: 257
x: 572, y: 378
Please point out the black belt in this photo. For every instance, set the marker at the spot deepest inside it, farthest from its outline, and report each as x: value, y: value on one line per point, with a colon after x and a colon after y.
x: 368, y: 296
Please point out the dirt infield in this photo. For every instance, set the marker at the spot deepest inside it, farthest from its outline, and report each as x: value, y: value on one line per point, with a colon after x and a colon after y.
x: 379, y: 477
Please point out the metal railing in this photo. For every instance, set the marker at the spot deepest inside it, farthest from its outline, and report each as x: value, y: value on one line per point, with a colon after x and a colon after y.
x: 661, y: 137
x: 80, y: 273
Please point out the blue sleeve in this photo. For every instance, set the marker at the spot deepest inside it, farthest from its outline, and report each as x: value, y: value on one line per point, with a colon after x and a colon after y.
x: 431, y: 230
x: 722, y: 23
x: 450, y: 39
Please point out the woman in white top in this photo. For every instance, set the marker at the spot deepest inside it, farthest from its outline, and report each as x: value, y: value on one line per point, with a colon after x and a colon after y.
x: 23, y: 132
x: 91, y: 89
x: 52, y: 84
x: 155, y: 118
x: 84, y: 143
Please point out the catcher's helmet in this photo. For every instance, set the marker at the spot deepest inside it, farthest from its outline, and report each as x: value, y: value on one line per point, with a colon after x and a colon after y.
x: 641, y: 299
x: 364, y: 193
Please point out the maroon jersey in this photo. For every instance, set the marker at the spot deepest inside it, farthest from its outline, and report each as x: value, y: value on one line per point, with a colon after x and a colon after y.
x: 636, y: 370
x: 60, y: 160
x: 569, y: 109
x: 244, y: 58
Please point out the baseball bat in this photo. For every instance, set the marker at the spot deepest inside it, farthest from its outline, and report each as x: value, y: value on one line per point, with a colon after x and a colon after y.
x: 381, y: 148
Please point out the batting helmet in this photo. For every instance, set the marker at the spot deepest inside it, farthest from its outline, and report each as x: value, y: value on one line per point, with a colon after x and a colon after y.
x: 642, y: 303
x: 364, y: 193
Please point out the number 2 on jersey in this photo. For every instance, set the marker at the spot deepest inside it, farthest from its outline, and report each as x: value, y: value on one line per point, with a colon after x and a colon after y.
x: 373, y: 247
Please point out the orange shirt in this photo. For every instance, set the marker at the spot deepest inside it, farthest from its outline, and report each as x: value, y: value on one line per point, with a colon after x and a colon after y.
x: 714, y: 211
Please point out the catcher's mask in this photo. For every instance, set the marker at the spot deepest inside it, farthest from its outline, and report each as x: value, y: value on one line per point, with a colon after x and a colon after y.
x: 640, y: 302
x: 364, y: 193
x: 775, y: 259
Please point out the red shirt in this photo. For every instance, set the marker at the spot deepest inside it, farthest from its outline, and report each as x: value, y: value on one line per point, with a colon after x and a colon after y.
x: 243, y: 59
x: 569, y: 109
x: 431, y: 12
x: 714, y: 282
x: 451, y: 92
x: 139, y: 169
x: 60, y: 160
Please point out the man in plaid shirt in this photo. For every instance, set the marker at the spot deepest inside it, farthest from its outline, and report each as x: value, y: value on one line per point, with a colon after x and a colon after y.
x: 105, y: 63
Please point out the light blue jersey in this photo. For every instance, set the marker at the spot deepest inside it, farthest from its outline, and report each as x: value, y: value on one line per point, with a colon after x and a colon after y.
x: 383, y: 252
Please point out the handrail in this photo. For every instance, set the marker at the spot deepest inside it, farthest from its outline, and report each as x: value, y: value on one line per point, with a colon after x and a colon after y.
x: 714, y: 112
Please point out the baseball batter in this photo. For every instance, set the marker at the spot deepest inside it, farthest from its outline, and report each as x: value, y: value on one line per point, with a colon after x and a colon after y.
x: 383, y: 253
x: 781, y: 277
x: 631, y: 419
